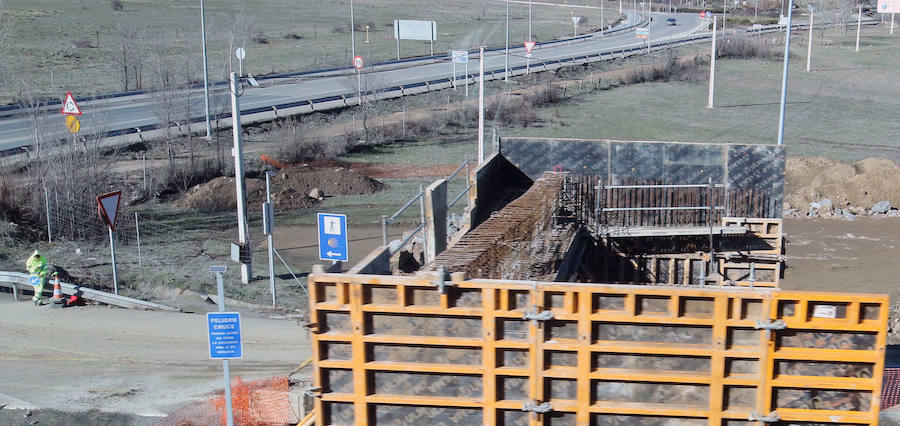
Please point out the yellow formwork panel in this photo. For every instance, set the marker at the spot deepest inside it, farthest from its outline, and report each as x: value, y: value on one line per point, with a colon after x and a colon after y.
x: 394, y: 350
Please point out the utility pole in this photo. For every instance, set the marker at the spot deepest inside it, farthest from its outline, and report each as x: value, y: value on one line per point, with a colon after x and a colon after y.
x: 239, y: 186
x: 809, y: 47
x: 481, y: 106
x: 269, y: 220
x: 784, y: 76
x: 712, y: 66
x: 506, y: 73
x: 205, y: 74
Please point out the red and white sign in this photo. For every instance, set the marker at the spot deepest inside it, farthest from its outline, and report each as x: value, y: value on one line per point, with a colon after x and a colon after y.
x: 358, y: 62
x: 529, y: 46
x: 702, y: 14
x: 108, y: 207
x: 69, y: 105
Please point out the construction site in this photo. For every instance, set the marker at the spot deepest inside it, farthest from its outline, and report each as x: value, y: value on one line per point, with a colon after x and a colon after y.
x: 598, y: 282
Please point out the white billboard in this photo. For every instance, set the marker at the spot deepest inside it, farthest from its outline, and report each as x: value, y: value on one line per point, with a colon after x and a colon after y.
x: 415, y: 30
x: 888, y: 6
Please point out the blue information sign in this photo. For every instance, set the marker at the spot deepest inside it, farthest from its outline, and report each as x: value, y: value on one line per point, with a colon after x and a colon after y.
x: 333, y: 237
x: 224, y: 335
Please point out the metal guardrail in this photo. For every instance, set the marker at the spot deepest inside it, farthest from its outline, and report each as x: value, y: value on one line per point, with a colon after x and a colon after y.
x: 465, y: 165
x: 604, y: 55
x: 15, y: 279
x: 54, y: 102
x: 385, y: 220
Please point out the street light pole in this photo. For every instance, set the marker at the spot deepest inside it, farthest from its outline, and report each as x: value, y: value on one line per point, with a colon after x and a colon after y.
x: 784, y: 76
x: 530, y: 30
x: 506, y: 73
x: 712, y: 66
x: 352, y: 35
x: 756, y: 11
x: 481, y: 105
x: 724, y: 16
x: 205, y: 74
x: 858, y: 26
x: 809, y: 47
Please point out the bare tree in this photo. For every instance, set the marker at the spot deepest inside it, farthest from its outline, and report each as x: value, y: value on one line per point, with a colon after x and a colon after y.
x: 845, y: 13
x: 167, y: 95
x: 129, y: 55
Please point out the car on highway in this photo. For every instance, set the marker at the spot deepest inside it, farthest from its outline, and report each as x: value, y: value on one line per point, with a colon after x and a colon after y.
x: 671, y: 21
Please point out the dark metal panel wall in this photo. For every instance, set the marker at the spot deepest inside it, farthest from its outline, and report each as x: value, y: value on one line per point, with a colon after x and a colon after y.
x: 754, y: 174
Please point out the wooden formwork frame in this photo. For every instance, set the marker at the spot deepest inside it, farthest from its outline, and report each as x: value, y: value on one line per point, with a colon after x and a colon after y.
x: 771, y: 232
x: 731, y: 309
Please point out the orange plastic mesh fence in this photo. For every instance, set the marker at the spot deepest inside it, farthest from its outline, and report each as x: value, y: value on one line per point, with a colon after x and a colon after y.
x: 258, y: 402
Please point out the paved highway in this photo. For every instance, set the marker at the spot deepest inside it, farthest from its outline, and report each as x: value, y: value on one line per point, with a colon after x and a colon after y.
x: 142, y: 110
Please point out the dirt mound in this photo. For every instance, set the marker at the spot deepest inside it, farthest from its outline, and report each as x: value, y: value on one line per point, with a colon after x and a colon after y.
x: 290, y: 189
x: 334, y: 181
x: 863, y: 183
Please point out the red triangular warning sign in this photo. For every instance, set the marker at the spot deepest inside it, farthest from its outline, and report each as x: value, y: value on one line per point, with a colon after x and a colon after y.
x: 528, y: 46
x: 108, y: 207
x: 69, y: 105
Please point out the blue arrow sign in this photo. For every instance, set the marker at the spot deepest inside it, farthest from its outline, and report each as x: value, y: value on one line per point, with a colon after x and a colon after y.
x: 224, y: 335
x: 333, y: 237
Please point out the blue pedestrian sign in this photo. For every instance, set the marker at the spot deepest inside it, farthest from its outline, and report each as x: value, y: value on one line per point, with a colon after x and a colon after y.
x: 224, y: 335
x: 333, y: 237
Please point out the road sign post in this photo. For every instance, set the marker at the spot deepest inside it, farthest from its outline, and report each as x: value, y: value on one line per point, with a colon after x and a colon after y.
x: 333, y: 241
x: 358, y: 64
x: 240, y: 53
x: 108, y: 209
x: 73, y: 124
x: 529, y: 46
x: 224, y: 336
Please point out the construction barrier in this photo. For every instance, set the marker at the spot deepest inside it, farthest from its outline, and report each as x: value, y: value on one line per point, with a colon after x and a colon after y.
x: 396, y: 350
x: 258, y: 402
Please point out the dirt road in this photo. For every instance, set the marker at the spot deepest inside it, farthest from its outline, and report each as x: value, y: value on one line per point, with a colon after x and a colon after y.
x: 859, y: 256
x: 136, y: 362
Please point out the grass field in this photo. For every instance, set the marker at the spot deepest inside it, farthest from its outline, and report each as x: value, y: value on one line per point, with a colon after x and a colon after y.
x: 299, y: 35
x: 845, y: 108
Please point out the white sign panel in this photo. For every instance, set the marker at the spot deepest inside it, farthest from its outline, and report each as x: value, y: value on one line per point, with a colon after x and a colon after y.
x: 461, y: 56
x: 825, y: 311
x: 415, y: 30
x: 70, y: 107
x: 888, y: 6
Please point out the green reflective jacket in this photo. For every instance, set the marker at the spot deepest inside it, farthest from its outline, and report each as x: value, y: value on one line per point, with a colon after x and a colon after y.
x: 37, y: 265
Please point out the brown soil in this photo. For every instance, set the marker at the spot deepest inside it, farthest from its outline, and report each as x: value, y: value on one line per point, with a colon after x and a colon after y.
x: 391, y: 170
x: 862, y: 184
x: 290, y: 188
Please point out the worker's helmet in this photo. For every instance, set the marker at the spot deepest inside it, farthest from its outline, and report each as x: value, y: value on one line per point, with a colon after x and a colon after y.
x: 36, y: 254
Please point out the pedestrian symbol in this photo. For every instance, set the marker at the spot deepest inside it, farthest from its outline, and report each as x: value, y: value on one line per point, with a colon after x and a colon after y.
x: 333, y: 237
